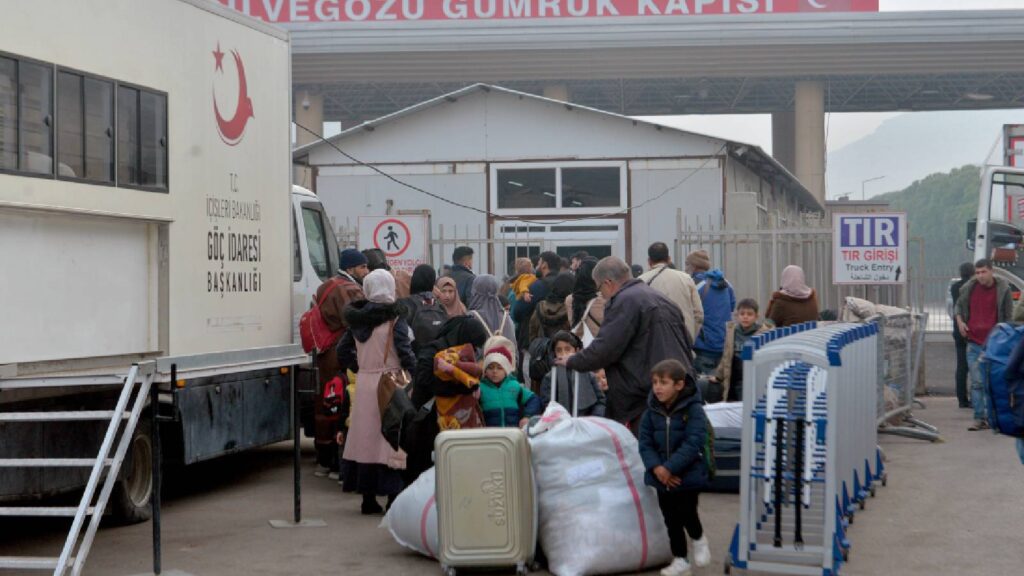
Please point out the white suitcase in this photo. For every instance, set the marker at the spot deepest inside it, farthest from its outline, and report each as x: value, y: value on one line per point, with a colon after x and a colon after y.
x: 486, y: 501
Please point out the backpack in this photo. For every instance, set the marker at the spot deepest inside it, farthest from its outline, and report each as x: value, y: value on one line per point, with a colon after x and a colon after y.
x: 313, y: 331
x: 1006, y: 399
x: 426, y: 318
x: 540, y: 358
x: 709, y: 448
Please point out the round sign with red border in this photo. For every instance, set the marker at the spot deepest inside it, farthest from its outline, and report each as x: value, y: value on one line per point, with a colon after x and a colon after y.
x: 392, y: 238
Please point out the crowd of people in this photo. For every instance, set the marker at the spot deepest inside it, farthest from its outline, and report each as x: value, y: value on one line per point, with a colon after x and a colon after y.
x: 646, y: 348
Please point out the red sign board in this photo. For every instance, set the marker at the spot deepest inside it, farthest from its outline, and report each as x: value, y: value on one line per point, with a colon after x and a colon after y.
x: 309, y: 11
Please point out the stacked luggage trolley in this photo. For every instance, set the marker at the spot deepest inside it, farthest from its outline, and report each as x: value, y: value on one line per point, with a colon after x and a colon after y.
x: 809, y: 456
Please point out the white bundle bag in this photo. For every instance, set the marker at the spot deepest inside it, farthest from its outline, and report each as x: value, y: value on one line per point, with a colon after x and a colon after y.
x: 596, y: 514
x: 412, y: 519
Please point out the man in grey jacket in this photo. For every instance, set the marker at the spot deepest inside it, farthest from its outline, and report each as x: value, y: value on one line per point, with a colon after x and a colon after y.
x: 984, y: 302
x: 641, y: 328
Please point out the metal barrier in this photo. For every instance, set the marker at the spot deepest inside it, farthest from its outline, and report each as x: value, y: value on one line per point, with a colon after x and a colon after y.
x: 901, y: 348
x: 809, y: 453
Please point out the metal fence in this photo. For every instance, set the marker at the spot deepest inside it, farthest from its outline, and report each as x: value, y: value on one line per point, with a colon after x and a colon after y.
x: 493, y: 255
x: 901, y: 348
x: 753, y: 261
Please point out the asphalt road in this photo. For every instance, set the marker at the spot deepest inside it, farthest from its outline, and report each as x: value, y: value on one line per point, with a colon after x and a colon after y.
x: 949, y: 508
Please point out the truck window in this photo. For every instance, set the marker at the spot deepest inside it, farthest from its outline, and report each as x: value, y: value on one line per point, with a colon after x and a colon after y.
x: 85, y: 127
x: 141, y: 138
x: 297, y: 258
x: 26, y: 116
x: 316, y: 241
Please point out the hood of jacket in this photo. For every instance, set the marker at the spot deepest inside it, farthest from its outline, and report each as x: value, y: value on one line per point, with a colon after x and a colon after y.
x: 552, y: 313
x: 364, y: 316
x: 689, y: 395
x: 714, y: 278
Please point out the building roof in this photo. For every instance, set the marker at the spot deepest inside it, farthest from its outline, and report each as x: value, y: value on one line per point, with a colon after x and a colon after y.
x: 750, y: 155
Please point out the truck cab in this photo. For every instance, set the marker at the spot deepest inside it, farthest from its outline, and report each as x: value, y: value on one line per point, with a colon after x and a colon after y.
x: 315, y: 251
x: 998, y: 231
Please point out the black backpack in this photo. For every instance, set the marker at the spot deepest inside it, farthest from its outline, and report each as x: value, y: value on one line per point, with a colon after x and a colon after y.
x: 426, y: 318
x: 540, y: 358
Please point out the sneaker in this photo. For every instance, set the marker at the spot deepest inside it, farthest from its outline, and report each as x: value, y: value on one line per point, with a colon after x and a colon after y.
x: 321, y: 472
x: 701, y: 552
x: 678, y: 567
x: 333, y: 476
x: 978, y: 425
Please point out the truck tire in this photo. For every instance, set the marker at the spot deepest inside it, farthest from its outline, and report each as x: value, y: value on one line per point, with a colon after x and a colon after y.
x: 129, y: 502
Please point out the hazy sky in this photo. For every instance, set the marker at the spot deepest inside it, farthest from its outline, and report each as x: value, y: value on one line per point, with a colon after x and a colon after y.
x: 842, y: 128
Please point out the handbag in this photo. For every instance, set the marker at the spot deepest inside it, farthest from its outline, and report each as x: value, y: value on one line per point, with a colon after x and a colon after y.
x: 396, y: 409
x: 313, y: 330
x: 587, y: 336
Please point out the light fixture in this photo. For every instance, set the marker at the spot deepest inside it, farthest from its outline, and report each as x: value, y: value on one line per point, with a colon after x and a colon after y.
x: 305, y: 101
x: 514, y: 183
x: 551, y: 194
x: 979, y: 96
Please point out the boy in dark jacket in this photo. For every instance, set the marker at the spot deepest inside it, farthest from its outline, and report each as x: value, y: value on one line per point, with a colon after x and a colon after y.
x: 673, y: 432
x: 591, y: 398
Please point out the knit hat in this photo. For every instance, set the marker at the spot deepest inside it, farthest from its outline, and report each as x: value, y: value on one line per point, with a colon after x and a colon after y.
x: 500, y: 350
x: 351, y: 258
x: 699, y: 260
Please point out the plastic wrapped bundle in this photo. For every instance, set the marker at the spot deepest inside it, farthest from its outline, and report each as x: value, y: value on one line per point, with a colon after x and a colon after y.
x: 412, y: 519
x: 596, y: 514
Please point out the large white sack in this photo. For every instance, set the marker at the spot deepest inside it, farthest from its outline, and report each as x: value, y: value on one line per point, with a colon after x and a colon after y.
x: 596, y: 514
x: 412, y: 519
x: 725, y: 414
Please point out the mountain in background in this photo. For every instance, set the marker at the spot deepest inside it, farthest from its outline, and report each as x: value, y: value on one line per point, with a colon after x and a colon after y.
x: 938, y: 208
x: 910, y: 146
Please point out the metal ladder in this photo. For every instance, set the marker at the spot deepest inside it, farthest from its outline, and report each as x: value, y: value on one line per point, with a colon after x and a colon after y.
x: 77, y: 546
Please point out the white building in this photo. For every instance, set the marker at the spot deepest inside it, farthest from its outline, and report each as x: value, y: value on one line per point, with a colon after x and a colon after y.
x: 531, y: 173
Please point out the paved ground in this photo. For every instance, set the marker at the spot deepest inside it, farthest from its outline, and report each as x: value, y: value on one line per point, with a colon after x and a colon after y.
x: 950, y: 508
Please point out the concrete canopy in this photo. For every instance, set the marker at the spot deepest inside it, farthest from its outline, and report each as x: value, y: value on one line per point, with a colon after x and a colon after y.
x: 646, y: 66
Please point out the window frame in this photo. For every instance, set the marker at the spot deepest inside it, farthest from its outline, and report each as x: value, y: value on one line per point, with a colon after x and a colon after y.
x: 54, y: 173
x: 558, y: 166
x: 83, y: 76
x: 17, y: 109
x: 138, y: 147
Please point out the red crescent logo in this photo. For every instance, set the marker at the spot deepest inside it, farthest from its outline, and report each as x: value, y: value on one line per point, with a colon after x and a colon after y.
x: 232, y: 129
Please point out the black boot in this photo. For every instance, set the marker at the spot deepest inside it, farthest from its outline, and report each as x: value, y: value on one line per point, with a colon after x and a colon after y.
x: 370, y: 505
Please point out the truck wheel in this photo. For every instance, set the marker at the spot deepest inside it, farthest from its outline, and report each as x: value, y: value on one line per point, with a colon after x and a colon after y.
x: 129, y: 502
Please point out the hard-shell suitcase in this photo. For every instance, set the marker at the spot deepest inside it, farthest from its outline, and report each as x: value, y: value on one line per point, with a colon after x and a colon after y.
x: 486, y: 502
x: 728, y: 442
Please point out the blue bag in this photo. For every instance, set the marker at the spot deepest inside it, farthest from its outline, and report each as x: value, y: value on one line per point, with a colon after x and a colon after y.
x: 1006, y: 398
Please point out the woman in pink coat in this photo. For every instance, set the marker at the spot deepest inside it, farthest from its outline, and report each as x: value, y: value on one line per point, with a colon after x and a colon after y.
x: 377, y: 341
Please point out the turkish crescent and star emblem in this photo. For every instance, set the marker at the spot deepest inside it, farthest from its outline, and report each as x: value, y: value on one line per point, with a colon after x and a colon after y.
x: 232, y: 129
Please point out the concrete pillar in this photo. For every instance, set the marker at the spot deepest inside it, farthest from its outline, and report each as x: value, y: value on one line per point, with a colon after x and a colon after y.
x: 309, y: 112
x: 809, y: 128
x: 557, y: 92
x: 782, y: 138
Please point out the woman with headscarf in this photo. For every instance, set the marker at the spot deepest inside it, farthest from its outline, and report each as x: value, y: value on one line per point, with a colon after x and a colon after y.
x: 423, y: 310
x: 376, y: 342
x: 552, y: 315
x: 585, y: 304
x: 795, y: 302
x: 448, y: 293
x: 485, y: 306
x: 457, y: 332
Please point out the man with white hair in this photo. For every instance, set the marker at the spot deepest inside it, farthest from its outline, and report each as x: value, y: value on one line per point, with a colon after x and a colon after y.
x: 641, y: 328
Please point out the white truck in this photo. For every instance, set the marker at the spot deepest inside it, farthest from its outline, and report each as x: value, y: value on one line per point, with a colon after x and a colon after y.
x: 147, y: 216
x: 998, y: 231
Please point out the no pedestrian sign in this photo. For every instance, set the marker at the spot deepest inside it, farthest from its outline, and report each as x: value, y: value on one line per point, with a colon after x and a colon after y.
x: 869, y: 248
x: 402, y: 238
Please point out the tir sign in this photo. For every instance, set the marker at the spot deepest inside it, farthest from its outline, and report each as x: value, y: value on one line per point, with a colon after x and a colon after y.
x: 869, y: 248
x: 870, y: 232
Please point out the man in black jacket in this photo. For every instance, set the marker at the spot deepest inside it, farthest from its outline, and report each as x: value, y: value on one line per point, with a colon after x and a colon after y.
x: 966, y: 271
x: 462, y: 272
x: 641, y: 328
